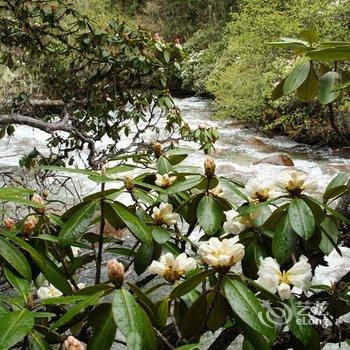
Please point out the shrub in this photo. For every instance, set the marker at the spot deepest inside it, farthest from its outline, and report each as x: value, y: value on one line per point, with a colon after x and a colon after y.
x: 260, y: 252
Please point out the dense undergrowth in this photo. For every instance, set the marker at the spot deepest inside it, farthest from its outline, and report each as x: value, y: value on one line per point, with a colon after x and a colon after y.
x: 230, y: 59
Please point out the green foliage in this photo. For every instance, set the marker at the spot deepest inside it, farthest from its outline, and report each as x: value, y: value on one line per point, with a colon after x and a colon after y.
x: 247, y: 69
x: 197, y: 296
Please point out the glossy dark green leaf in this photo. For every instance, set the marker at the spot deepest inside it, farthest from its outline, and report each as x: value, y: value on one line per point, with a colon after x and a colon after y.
x: 15, y: 258
x: 340, y: 180
x: 209, y: 215
x: 75, y: 310
x: 20, y: 284
x: 329, y: 235
x: 77, y: 224
x: 129, y: 317
x: 141, y: 231
x: 46, y: 266
x: 143, y: 258
x: 184, y: 185
x: 37, y: 342
x: 194, y: 319
x: 301, y: 218
x: 247, y: 307
x: 284, y: 240
x: 218, y: 315
x: 299, y: 324
x: 160, y: 234
x: 277, y: 92
x: 14, y: 327
x: 189, y: 284
x: 104, y: 328
x: 296, y: 77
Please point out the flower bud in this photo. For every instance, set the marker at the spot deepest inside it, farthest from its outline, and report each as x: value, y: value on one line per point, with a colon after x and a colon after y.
x: 116, y: 272
x: 209, y: 167
x: 129, y: 182
x: 46, y: 193
x: 73, y: 344
x: 9, y: 223
x: 29, y: 225
x: 104, y: 171
x: 157, y: 149
x: 37, y: 199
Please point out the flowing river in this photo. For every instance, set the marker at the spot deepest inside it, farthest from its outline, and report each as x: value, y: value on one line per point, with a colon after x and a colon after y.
x: 237, y: 154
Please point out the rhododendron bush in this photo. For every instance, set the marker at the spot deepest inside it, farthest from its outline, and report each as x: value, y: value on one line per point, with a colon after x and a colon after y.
x: 177, y: 253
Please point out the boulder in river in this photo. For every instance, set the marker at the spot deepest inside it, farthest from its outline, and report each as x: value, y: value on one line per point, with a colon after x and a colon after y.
x: 277, y: 159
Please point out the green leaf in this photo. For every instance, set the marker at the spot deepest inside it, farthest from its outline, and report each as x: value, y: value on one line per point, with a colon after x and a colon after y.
x: 340, y: 180
x: 164, y: 166
x: 46, y: 266
x: 15, y: 192
x: 328, y: 83
x: 37, y: 342
x: 20, y: 284
x: 299, y: 324
x: 77, y: 224
x: 129, y: 318
x: 209, y: 215
x: 247, y: 307
x: 195, y: 317
x: 189, y: 284
x: 310, y: 35
x: 308, y: 89
x: 160, y: 234
x: 184, y: 185
x: 143, y: 258
x: 14, y: 327
x: 277, y: 92
x: 163, y: 312
x: 15, y: 258
x: 134, y: 341
x: 68, y: 170
x: 296, y: 77
x: 188, y: 347
x: 104, y: 329
x: 329, y: 235
x: 336, y: 53
x: 141, y: 231
x: 75, y: 310
x: 284, y: 240
x: 301, y: 218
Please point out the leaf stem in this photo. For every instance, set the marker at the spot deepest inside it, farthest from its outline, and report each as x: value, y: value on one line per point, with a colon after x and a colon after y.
x: 100, y: 238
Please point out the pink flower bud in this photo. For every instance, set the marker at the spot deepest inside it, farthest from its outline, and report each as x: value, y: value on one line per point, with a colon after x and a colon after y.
x: 29, y: 225
x: 9, y: 223
x: 115, y: 272
x: 73, y: 344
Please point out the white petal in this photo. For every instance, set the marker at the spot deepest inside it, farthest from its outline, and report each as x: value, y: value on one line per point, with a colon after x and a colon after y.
x: 157, y: 268
x: 284, y: 291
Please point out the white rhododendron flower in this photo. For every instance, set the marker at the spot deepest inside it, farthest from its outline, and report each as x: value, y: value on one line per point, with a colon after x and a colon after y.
x: 295, y: 182
x: 171, y: 268
x: 259, y: 190
x: 164, y: 215
x: 48, y: 292
x: 217, y: 191
x: 235, y: 223
x: 273, y: 280
x: 165, y: 180
x: 338, y: 267
x: 225, y: 253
